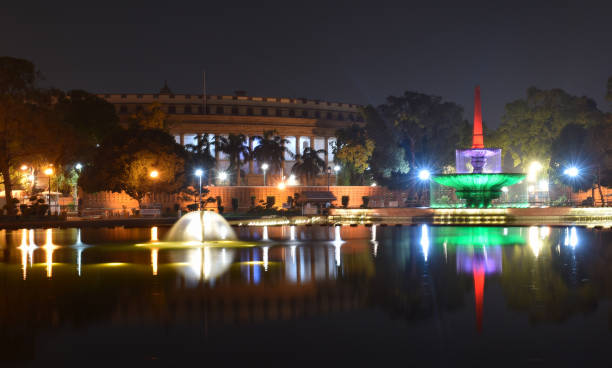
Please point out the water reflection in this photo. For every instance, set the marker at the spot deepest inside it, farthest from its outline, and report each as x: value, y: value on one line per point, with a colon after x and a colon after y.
x: 426, y: 274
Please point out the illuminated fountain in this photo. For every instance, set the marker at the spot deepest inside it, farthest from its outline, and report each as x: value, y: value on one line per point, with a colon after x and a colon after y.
x: 479, y: 179
x: 201, y: 226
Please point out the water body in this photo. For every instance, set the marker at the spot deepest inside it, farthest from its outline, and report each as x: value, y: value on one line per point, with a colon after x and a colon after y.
x: 422, y: 295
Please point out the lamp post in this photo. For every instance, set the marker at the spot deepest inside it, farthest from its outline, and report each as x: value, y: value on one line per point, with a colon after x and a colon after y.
x: 424, y: 175
x: 49, y: 172
x: 328, y: 175
x: 264, y: 167
x: 78, y: 167
x: 336, y: 170
x: 572, y: 173
x: 199, y: 173
x: 154, y: 174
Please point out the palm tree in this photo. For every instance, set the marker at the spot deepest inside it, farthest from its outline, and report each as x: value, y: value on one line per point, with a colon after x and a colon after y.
x: 237, y: 150
x: 271, y: 150
x: 309, y: 164
x: 200, y: 152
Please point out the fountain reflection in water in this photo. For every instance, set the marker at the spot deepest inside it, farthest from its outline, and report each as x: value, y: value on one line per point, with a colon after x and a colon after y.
x: 337, y: 244
x: 200, y: 226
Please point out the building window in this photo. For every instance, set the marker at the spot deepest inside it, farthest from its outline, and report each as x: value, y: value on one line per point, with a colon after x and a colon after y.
x: 317, y: 114
x: 264, y: 111
x: 329, y: 116
x: 291, y: 112
x: 123, y: 109
x: 220, y: 110
x: 171, y: 109
x: 187, y: 109
x: 305, y: 113
x: 279, y: 112
x: 351, y: 117
x: 235, y: 110
x: 340, y: 117
x: 249, y: 111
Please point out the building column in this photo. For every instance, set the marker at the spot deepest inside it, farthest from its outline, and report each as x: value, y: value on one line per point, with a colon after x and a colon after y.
x: 297, y: 145
x: 251, y: 158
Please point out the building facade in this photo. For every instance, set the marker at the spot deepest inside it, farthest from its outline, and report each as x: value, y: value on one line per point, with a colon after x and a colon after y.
x: 302, y: 122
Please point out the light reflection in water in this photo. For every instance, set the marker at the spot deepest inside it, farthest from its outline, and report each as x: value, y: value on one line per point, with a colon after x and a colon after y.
x: 265, y: 258
x: 292, y: 233
x: 154, y: 253
x: 49, y: 247
x: 80, y: 247
x: 425, y: 241
x: 337, y: 245
x: 535, y: 243
x: 264, y: 235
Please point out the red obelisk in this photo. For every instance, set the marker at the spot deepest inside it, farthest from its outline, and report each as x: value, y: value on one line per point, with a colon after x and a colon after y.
x: 477, y: 139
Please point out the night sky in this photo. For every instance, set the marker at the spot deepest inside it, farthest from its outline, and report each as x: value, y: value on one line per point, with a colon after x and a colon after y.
x: 351, y: 51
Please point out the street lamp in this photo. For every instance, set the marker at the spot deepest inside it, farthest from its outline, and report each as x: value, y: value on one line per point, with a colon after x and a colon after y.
x: 49, y: 172
x: 154, y: 174
x: 222, y: 176
x: 572, y: 172
x: 199, y: 173
x: 264, y: 167
x: 78, y: 168
x: 336, y: 169
x: 424, y: 175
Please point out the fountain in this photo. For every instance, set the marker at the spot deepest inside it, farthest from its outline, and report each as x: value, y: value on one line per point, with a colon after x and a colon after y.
x: 485, y: 181
x: 201, y: 226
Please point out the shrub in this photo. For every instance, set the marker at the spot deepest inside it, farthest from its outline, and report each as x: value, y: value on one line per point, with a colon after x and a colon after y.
x: 252, y: 201
x: 235, y: 204
x: 220, y: 209
x: 345, y: 201
x: 270, y: 200
x: 365, y: 200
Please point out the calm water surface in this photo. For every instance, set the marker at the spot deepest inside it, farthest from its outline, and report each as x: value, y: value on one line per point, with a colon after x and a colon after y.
x: 422, y: 296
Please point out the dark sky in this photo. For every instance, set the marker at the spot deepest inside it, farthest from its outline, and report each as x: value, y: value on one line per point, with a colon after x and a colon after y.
x: 349, y: 51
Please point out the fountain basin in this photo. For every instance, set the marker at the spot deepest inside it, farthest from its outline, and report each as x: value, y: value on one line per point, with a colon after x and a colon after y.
x: 478, y: 190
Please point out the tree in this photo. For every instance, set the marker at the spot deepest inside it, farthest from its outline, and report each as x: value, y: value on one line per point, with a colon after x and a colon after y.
x: 200, y: 155
x: 410, y: 131
x: 308, y: 165
x: 530, y: 125
x: 27, y: 129
x: 271, y: 150
x: 125, y: 160
x: 353, y: 150
x: 237, y: 150
x: 151, y: 117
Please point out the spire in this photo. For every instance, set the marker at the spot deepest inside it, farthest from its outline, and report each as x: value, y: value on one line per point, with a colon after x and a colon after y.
x: 165, y: 89
x: 477, y: 139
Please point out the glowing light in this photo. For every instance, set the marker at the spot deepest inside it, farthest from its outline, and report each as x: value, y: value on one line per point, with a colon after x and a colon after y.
x: 281, y: 185
x: 292, y: 233
x: 49, y: 247
x: 48, y: 171
x: 292, y: 180
x: 532, y: 171
x: 531, y: 189
x: 534, y: 241
x: 154, y: 174
x: 207, y: 267
x: 373, y: 232
x: 264, y: 166
x: 337, y: 244
x: 154, y: 234
x: 544, y: 232
x: 154, y: 253
x: 264, y: 235
x: 24, y: 167
x: 78, y: 166
x: 573, y: 237
x: 425, y: 241
x: 199, y: 172
x: 265, y: 258
x: 373, y: 184
x: 222, y: 176
x: 543, y: 185
x: 424, y: 174
x: 572, y: 172
x: 505, y: 189
x: 292, y: 250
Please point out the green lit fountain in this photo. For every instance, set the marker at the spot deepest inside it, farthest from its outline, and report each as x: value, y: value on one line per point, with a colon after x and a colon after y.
x: 485, y: 182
